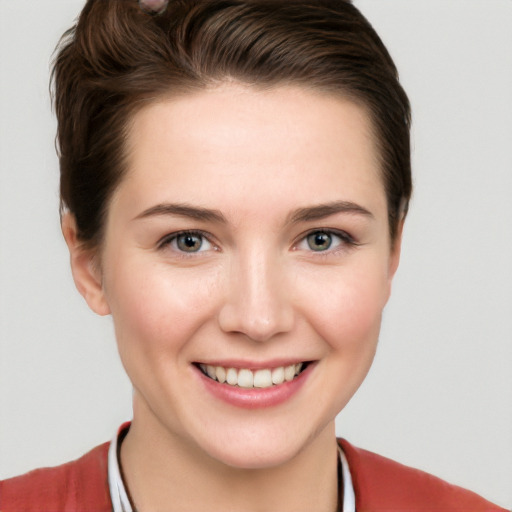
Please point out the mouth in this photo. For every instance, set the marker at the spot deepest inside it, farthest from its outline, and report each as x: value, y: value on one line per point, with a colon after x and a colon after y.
x: 249, y: 379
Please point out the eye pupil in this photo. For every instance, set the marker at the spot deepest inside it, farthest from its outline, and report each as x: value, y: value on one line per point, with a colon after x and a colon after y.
x: 189, y: 243
x: 319, y: 241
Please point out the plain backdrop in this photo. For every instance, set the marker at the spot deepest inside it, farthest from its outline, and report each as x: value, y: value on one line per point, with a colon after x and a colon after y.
x: 439, y: 396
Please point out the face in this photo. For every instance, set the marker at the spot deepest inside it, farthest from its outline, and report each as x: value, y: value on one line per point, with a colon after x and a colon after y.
x: 246, y: 264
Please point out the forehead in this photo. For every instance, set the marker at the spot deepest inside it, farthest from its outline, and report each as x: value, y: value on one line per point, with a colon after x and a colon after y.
x: 238, y: 138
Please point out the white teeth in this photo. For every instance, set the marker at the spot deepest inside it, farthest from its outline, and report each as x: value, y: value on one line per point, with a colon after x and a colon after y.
x: 220, y: 373
x: 232, y: 377
x: 263, y: 379
x: 210, y: 370
x: 278, y: 375
x: 246, y: 378
x: 289, y: 372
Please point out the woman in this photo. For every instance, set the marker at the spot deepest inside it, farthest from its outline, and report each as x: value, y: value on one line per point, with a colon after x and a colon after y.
x: 244, y: 328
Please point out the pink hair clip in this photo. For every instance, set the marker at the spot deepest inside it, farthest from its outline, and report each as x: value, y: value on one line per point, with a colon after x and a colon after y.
x: 153, y: 6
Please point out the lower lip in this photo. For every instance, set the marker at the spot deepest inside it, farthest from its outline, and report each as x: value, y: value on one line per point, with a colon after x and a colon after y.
x: 256, y: 398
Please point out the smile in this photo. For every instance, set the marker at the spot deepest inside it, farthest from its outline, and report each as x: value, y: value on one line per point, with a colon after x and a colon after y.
x: 246, y: 378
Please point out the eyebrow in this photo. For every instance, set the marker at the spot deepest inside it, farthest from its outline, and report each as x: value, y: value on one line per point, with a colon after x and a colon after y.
x: 306, y: 214
x: 183, y: 210
x: 321, y: 211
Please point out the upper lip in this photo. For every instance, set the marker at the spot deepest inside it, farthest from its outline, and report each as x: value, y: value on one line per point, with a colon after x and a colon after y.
x: 253, y: 365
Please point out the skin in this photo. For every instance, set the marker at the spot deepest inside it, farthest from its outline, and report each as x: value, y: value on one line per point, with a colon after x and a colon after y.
x: 153, y: 5
x: 255, y: 291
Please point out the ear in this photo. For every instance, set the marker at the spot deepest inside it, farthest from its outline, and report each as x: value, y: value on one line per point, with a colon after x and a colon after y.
x: 84, y: 267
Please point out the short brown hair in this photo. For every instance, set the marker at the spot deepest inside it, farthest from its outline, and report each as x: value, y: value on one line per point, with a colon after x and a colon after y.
x: 117, y: 58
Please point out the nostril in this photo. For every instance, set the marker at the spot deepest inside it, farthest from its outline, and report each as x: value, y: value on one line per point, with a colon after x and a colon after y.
x: 254, y: 325
x: 256, y: 301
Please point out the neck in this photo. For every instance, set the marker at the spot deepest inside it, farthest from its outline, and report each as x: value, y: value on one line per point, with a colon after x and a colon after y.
x: 167, y: 473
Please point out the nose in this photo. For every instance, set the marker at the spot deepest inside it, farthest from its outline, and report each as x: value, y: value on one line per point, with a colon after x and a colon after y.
x: 257, y: 302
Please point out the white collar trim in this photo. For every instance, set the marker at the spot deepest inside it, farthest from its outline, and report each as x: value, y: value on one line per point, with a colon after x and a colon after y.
x: 118, y: 494
x: 349, y: 496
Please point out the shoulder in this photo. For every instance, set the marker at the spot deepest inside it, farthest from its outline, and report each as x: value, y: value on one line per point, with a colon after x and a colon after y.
x: 80, y: 485
x: 381, y: 484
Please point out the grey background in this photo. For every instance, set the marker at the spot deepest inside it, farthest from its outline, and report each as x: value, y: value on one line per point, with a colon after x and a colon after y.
x: 439, y: 396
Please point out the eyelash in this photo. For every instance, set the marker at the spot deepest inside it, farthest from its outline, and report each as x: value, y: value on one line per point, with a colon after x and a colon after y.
x: 170, y: 238
x: 347, y: 241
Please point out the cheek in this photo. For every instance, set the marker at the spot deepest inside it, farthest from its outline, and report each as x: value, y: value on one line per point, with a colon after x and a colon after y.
x: 347, y: 310
x: 344, y: 307
x: 158, y: 308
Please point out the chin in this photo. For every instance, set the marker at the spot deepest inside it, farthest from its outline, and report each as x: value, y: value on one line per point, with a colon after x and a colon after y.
x: 251, y: 455
x: 253, y: 448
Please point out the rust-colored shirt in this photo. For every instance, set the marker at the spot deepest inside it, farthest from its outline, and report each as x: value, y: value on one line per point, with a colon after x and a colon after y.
x: 380, y: 485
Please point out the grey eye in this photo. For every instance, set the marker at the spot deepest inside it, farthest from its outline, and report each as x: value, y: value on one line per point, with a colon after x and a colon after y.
x: 319, y: 241
x: 189, y: 242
